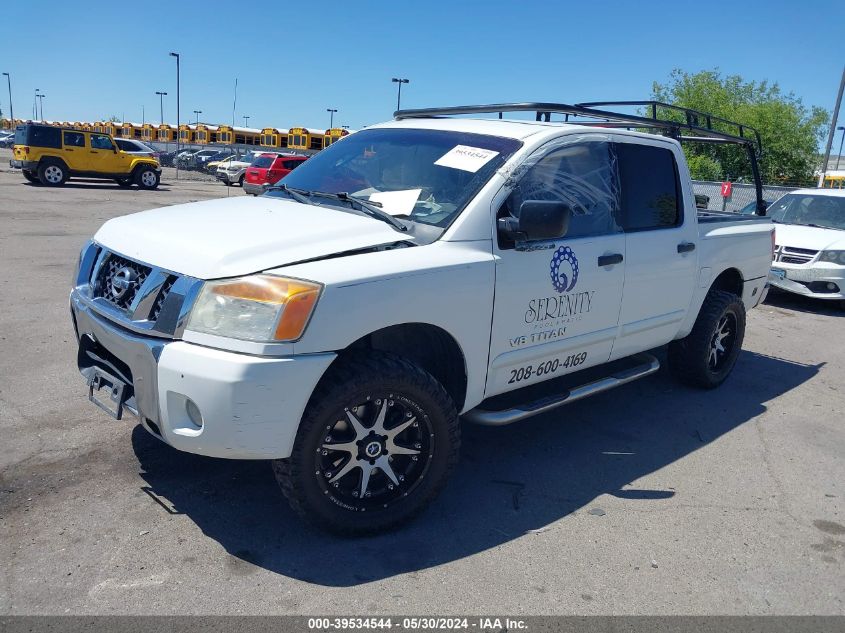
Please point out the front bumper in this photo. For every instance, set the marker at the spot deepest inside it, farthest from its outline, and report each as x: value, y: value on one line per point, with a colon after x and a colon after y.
x: 254, y: 189
x: 810, y: 280
x: 251, y: 406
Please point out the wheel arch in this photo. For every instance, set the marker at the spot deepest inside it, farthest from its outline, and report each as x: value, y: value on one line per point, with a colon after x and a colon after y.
x: 428, y: 346
x: 729, y: 280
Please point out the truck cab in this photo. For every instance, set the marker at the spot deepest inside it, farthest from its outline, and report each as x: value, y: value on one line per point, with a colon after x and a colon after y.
x: 418, y: 273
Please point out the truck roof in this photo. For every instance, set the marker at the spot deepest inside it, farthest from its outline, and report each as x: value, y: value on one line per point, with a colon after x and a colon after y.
x: 508, y: 128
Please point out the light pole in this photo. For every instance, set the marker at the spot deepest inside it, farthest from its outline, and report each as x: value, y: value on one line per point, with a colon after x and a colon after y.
x: 246, y: 120
x: 198, y: 113
x: 35, y: 105
x: 399, y: 81
x: 839, y: 155
x: 178, y: 133
x: 11, y: 109
x: 331, y: 112
x: 41, y: 104
x: 161, y: 96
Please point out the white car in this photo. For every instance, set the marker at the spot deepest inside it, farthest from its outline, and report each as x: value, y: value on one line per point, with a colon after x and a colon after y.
x: 810, y: 243
x: 417, y: 271
x: 131, y: 146
x: 234, y: 171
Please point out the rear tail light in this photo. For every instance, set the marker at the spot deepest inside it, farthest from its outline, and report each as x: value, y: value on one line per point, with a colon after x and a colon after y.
x: 274, y: 175
x: 26, y: 149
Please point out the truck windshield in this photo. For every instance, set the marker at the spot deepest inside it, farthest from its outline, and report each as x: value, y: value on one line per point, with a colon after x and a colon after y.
x: 810, y: 210
x: 426, y: 176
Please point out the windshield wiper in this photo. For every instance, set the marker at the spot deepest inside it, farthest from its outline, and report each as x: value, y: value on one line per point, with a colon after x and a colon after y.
x: 373, y: 209
x: 369, y: 208
x: 300, y: 195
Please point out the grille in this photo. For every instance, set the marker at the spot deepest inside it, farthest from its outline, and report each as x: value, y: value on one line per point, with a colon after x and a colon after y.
x: 162, y: 295
x: 111, y: 292
x: 793, y: 255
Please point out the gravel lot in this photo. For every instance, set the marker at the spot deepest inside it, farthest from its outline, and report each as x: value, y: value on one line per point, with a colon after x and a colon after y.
x: 652, y: 499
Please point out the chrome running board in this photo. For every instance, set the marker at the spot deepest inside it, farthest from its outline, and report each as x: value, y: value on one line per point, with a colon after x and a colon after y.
x: 648, y: 365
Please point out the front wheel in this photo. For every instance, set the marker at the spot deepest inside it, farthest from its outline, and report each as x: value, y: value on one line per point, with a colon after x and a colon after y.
x: 377, y: 443
x: 706, y: 356
x: 147, y: 178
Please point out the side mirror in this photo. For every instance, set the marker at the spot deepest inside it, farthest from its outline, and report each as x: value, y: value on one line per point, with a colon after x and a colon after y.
x: 538, y: 220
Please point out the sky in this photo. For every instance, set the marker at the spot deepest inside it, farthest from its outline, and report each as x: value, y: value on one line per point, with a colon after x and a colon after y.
x: 293, y: 60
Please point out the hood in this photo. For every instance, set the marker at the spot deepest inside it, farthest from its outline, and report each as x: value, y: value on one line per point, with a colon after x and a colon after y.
x: 809, y: 237
x: 229, y: 237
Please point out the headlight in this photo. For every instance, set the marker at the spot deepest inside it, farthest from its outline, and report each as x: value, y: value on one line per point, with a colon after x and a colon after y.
x: 256, y: 308
x: 837, y: 257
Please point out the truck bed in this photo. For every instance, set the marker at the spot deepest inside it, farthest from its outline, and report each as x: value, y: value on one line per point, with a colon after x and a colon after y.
x: 706, y: 216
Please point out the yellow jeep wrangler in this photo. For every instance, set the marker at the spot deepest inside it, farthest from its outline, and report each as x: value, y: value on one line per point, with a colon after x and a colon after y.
x: 50, y: 155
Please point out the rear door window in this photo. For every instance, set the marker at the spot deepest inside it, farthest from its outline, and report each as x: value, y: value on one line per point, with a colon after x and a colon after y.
x: 74, y: 139
x: 263, y: 161
x: 651, y: 191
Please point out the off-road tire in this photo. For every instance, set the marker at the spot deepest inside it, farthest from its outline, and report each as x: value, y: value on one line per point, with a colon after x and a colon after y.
x: 52, y: 172
x: 347, y: 381
x: 30, y: 176
x: 689, y: 357
x: 146, y: 177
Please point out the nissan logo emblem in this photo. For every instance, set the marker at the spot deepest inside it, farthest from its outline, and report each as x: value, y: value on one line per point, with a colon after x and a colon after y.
x: 122, y: 281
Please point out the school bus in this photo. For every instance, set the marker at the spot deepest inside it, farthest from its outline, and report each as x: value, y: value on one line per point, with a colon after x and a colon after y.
x: 206, y: 134
x: 187, y: 133
x: 112, y: 129
x: 166, y: 133
x: 334, y: 134
x: 832, y: 180
x: 132, y: 130
x: 273, y: 137
x: 305, y: 138
x: 228, y: 135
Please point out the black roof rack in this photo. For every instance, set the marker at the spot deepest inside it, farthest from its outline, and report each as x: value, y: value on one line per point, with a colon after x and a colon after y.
x: 704, y: 127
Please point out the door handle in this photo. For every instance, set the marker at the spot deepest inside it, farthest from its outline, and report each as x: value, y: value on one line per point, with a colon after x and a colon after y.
x: 609, y: 260
x: 686, y: 247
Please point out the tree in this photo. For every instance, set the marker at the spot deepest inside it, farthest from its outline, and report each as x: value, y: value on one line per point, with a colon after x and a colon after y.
x: 790, y: 131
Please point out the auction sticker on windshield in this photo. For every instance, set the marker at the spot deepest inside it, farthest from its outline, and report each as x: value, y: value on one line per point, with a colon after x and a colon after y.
x: 466, y: 158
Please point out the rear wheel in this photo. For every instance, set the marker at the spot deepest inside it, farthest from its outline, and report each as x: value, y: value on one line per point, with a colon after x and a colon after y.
x: 30, y: 176
x: 377, y: 443
x: 707, y: 355
x: 52, y: 173
x: 146, y: 178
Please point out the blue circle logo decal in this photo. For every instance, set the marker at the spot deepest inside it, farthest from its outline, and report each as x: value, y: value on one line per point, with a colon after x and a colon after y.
x: 564, y: 269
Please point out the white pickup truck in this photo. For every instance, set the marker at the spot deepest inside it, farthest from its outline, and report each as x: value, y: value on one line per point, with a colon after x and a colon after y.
x: 421, y: 270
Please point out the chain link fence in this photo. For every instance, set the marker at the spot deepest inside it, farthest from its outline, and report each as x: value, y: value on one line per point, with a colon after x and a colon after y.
x: 743, y: 198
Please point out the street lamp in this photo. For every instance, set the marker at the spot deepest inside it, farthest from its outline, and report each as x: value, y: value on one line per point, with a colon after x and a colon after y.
x: 246, y: 120
x: 161, y: 96
x: 35, y: 105
x: 198, y: 113
x: 331, y: 112
x: 400, y: 82
x: 178, y: 133
x: 11, y: 109
x: 839, y: 155
x: 41, y: 104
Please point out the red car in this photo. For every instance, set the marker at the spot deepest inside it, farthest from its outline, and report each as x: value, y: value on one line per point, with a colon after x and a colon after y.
x: 268, y: 169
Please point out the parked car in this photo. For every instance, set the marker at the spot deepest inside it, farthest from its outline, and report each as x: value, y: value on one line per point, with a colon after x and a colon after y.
x: 212, y: 165
x: 131, y: 146
x: 809, y: 256
x: 195, y: 159
x: 268, y: 169
x: 51, y: 155
x: 202, y: 158
x: 409, y: 274
x: 7, y: 139
x: 235, y: 170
